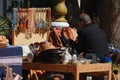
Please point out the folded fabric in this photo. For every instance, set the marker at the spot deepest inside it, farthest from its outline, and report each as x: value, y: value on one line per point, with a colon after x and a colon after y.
x: 54, y: 37
x: 70, y: 33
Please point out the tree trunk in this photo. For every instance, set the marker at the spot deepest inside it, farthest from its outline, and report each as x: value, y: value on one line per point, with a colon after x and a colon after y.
x: 110, y: 19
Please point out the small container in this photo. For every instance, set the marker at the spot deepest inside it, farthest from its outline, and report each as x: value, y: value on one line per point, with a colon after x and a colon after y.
x: 105, y: 77
x: 30, y: 57
x: 82, y: 61
x: 74, y: 57
x: 66, y: 58
x: 89, y: 78
x: 88, y: 61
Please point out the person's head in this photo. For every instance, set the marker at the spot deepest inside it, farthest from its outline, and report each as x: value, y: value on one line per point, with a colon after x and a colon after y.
x: 84, y: 19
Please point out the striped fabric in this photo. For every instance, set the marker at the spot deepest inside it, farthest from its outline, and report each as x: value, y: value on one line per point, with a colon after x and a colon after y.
x: 12, y: 57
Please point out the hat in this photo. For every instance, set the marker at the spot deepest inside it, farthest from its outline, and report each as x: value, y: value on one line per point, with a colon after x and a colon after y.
x: 46, y: 45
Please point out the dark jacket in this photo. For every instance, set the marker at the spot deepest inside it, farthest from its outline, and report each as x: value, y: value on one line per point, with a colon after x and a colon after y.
x: 92, y: 39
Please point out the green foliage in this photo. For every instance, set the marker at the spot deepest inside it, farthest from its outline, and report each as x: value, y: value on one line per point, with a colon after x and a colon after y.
x: 4, y: 25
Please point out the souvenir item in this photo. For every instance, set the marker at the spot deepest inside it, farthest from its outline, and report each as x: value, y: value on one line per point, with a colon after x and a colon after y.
x: 31, y: 20
x: 30, y: 57
x: 70, y: 33
x: 50, y: 56
x: 46, y: 45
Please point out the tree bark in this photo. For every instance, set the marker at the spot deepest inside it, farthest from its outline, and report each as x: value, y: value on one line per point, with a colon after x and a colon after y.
x: 110, y: 19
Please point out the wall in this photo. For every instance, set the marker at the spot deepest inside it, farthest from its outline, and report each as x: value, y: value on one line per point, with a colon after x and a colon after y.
x: 1, y: 7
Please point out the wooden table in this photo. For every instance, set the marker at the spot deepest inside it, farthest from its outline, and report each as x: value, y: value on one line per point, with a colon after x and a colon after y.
x: 70, y: 68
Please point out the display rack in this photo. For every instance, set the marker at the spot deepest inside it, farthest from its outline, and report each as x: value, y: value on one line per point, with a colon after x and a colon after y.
x: 30, y: 25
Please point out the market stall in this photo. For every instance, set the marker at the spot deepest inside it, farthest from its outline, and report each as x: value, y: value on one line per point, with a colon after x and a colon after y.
x: 30, y: 25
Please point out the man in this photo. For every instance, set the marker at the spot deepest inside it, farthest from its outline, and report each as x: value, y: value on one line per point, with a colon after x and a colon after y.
x: 91, y: 39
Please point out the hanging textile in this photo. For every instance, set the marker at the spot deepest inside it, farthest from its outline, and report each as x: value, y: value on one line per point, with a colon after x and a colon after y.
x: 31, y: 20
x: 70, y: 33
x: 54, y: 37
x: 63, y: 37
